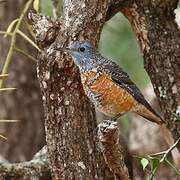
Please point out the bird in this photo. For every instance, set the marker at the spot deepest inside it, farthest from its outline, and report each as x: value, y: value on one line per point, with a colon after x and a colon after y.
x: 111, y: 90
x: 107, y: 85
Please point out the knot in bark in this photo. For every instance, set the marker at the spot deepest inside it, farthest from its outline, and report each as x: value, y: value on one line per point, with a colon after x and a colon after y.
x: 45, y: 28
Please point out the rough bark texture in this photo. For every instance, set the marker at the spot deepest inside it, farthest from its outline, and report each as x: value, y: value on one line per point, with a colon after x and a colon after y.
x: 70, y: 121
x: 112, y: 149
x: 26, y: 137
x: 38, y: 168
x: 159, y: 39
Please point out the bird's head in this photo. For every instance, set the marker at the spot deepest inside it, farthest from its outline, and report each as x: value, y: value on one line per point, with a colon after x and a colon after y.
x: 84, y: 54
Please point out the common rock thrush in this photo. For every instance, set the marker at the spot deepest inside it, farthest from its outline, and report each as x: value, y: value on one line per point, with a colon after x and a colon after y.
x: 106, y: 84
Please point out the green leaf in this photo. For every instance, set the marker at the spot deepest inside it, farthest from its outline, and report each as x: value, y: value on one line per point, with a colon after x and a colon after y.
x: 176, y: 116
x: 144, y: 163
x: 36, y: 5
x: 10, y: 27
x: 155, y: 164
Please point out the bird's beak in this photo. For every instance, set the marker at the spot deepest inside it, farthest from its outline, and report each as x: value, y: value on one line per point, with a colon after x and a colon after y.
x: 64, y: 49
x: 67, y: 49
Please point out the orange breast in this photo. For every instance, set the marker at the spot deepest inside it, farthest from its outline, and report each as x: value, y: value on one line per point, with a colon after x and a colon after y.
x: 113, y: 99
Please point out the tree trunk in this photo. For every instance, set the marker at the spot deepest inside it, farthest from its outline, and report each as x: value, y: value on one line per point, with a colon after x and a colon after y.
x: 27, y: 136
x: 70, y: 118
x: 159, y: 39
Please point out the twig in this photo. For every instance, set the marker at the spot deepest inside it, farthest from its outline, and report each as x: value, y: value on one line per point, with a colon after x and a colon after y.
x: 26, y: 54
x: 29, y: 28
x: 3, y: 75
x: 3, y: 137
x: 172, y: 166
x: 157, y: 154
x: 108, y: 134
x: 28, y: 39
x: 37, y: 168
x: 8, y: 120
x: 169, y: 150
x: 13, y: 42
x: 166, y: 152
x: 164, y: 158
x: 6, y: 33
x: 7, y: 89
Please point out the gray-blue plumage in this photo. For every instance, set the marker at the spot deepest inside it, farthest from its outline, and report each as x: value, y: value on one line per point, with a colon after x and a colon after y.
x: 88, y: 58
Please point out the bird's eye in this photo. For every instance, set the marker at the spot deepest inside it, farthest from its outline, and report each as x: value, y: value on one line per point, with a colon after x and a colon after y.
x: 81, y: 49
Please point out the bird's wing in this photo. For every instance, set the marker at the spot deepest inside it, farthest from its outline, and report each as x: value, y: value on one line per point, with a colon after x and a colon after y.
x: 123, y: 80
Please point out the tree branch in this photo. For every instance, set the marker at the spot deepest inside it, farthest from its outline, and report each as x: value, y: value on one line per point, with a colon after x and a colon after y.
x: 117, y: 6
x: 108, y: 134
x: 38, y: 168
x: 160, y: 57
x: 169, y: 150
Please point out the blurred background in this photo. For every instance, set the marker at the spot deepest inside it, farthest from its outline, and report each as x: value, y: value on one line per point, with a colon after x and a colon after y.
x: 26, y: 137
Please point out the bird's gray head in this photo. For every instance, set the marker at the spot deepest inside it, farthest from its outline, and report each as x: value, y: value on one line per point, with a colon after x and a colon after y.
x: 84, y: 54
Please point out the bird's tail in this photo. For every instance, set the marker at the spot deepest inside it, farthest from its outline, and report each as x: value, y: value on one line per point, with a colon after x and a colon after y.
x: 154, y: 117
x: 148, y: 114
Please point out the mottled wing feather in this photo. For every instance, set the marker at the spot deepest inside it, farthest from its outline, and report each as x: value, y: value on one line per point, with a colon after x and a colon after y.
x: 122, y: 79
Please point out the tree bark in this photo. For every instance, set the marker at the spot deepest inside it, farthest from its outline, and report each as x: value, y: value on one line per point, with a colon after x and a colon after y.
x: 70, y: 118
x: 159, y: 39
x: 38, y: 168
x: 26, y: 137
x: 112, y: 149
